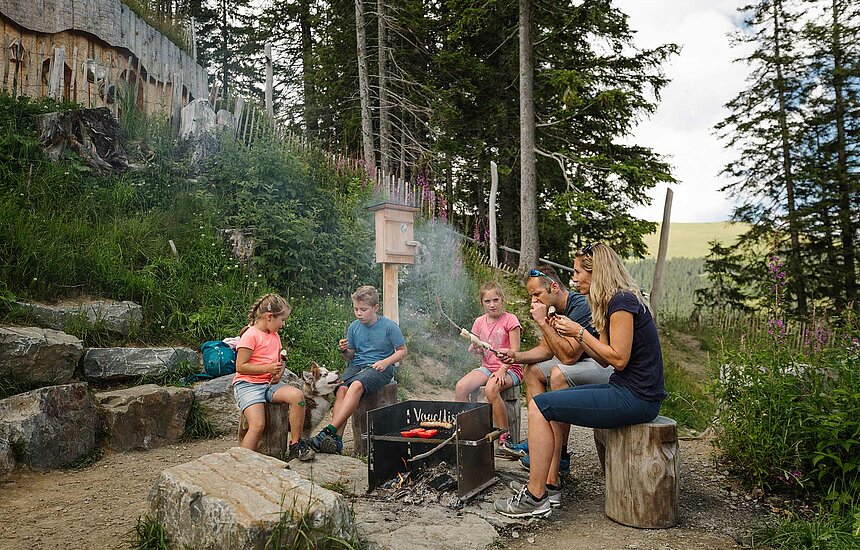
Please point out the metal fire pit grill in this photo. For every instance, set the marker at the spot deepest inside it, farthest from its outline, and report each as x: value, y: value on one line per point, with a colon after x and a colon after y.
x: 388, y: 452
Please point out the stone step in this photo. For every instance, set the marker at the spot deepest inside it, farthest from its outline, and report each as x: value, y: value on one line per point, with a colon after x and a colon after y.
x: 37, y: 355
x: 235, y: 500
x: 118, y: 317
x: 50, y: 427
x: 103, y: 364
x: 144, y: 417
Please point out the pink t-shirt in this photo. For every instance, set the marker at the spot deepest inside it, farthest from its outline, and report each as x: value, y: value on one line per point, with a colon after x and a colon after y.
x: 265, y: 350
x: 497, y: 334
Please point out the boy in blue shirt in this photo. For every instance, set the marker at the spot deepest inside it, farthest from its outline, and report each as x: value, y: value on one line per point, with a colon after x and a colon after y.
x: 372, y: 347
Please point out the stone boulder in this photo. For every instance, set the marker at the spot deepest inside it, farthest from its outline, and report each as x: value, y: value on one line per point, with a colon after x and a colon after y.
x: 37, y: 355
x: 50, y: 427
x: 197, y: 128
x: 7, y: 457
x: 145, y: 416
x: 216, y: 400
x: 119, y: 317
x: 125, y: 363
x: 393, y: 526
x: 344, y: 474
x: 236, y: 499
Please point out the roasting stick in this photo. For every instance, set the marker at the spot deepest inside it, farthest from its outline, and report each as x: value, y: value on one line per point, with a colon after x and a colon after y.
x: 466, y: 334
x: 433, y: 450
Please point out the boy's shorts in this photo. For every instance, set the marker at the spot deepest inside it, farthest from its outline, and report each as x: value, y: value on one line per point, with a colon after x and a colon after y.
x: 248, y: 393
x: 486, y: 372
x: 587, y: 371
x: 370, y: 378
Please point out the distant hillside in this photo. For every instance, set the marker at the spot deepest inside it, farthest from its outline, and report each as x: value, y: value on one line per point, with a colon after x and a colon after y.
x: 690, y: 240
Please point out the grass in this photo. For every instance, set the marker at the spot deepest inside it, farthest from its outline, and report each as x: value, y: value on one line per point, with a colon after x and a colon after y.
x: 297, y: 530
x: 196, y: 424
x: 823, y: 532
x: 149, y: 534
x: 172, y: 377
x: 690, y: 240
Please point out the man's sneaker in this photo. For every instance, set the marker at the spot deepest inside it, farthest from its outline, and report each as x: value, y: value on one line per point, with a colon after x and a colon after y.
x: 563, y: 466
x: 522, y: 505
x: 324, y: 442
x: 513, y: 450
x: 301, y: 450
x: 553, y: 494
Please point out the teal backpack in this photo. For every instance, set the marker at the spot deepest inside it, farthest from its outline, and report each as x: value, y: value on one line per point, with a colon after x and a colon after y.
x: 219, y: 359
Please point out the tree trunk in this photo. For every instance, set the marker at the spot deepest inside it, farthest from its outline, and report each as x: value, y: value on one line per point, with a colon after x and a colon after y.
x: 793, y: 229
x: 364, y: 89
x: 384, y: 121
x: 846, y: 226
x: 225, y: 57
x: 311, y: 125
x: 529, y: 244
x: 449, y: 190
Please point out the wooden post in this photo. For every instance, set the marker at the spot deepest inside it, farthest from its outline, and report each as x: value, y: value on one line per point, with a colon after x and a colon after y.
x: 270, y: 110
x: 4, y: 58
x: 55, y: 82
x: 74, y: 83
x: 661, y: 256
x: 32, y: 83
x: 275, y: 440
x: 385, y: 397
x: 237, y: 113
x: 390, y: 298
x: 494, y: 188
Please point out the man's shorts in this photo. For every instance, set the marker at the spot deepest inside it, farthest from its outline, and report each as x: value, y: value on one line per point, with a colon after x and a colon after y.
x: 248, y: 393
x: 486, y: 372
x: 370, y: 378
x: 587, y: 371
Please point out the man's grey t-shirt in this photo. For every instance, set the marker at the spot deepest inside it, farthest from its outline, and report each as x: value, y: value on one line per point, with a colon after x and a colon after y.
x: 577, y: 309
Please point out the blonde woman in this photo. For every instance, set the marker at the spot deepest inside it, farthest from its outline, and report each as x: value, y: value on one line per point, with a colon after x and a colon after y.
x: 628, y: 341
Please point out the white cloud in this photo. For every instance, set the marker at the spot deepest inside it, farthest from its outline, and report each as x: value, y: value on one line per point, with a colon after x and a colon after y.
x: 704, y: 77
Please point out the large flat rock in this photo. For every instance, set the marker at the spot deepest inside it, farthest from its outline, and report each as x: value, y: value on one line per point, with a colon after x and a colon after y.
x: 124, y: 363
x: 119, y: 317
x: 144, y: 417
x: 37, y: 355
x: 234, y: 500
x: 50, y: 427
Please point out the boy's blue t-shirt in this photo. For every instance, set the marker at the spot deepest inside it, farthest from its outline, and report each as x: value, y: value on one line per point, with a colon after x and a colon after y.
x: 375, y: 342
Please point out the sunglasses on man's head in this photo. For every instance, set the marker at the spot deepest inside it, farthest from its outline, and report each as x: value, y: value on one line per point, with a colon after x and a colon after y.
x: 539, y: 273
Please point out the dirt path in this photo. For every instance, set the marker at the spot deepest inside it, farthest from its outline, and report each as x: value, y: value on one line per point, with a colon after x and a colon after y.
x: 98, y: 506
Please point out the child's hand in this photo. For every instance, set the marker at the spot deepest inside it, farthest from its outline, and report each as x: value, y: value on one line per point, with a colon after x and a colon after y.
x: 342, y: 344
x: 277, y: 371
x: 475, y: 350
x: 379, y: 366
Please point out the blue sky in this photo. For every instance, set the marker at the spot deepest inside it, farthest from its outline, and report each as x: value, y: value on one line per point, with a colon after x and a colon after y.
x: 704, y: 77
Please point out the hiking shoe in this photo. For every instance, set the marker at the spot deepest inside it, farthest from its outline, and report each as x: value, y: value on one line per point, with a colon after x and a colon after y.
x: 522, y: 505
x: 513, y: 450
x: 563, y: 466
x: 553, y: 494
x: 301, y: 450
x: 325, y: 442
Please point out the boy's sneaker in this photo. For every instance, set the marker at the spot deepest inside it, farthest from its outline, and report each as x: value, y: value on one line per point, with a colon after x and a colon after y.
x: 301, y: 450
x: 324, y: 442
x: 553, y: 494
x: 513, y: 450
x: 522, y: 505
x: 563, y: 466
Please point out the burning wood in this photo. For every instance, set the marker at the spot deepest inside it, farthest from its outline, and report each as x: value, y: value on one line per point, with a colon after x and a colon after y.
x: 432, y: 485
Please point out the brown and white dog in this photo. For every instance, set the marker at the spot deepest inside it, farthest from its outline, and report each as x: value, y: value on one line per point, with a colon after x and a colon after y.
x: 319, y: 384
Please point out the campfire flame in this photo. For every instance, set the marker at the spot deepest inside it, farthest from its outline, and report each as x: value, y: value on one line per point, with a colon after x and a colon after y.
x: 402, y: 480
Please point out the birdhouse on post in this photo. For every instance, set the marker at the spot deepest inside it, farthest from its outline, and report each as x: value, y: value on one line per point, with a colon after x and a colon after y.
x: 395, y: 245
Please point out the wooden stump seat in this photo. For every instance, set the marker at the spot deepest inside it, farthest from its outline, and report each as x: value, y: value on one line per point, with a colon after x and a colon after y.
x: 642, y: 465
x: 385, y: 397
x: 276, y: 434
x: 511, y: 397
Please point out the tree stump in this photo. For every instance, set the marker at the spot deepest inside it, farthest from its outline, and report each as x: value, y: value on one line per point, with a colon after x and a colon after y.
x: 276, y: 434
x: 383, y: 398
x: 94, y: 134
x: 642, y: 464
x: 511, y: 397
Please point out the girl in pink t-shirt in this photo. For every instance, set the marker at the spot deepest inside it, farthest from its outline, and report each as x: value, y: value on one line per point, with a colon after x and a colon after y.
x: 500, y: 329
x: 259, y: 368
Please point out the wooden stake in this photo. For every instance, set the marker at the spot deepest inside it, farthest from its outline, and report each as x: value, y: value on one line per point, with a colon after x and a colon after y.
x: 270, y: 110
x: 657, y: 283
x: 494, y: 188
x: 390, y: 306
x: 56, y: 73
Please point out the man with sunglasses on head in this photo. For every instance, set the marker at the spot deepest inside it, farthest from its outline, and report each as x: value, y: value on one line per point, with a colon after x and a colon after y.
x: 559, y: 360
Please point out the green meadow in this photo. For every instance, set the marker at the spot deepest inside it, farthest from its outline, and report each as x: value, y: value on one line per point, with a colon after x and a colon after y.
x: 690, y: 240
